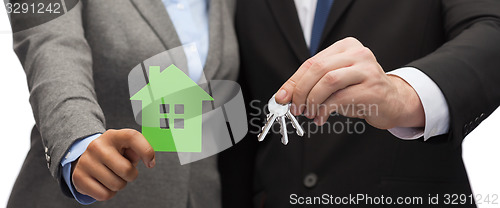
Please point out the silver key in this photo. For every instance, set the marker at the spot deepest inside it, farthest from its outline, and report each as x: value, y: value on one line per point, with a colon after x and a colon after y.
x: 276, y: 108
x: 265, y: 129
x: 298, y: 128
x: 275, y: 111
x: 284, y: 132
x: 278, y: 112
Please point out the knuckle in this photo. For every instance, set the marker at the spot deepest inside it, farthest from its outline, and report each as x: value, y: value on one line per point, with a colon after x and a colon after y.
x: 310, y: 101
x: 364, y: 52
x: 129, y: 172
x: 95, y: 145
x: 318, y: 65
x: 98, y: 197
x: 310, y: 61
x: 298, y: 92
x: 350, y: 38
x: 108, y: 132
x: 78, y: 189
x: 351, y: 41
x: 77, y: 180
x: 323, y: 110
x: 84, y: 162
x: 122, y: 185
x: 133, y: 175
x: 118, y: 185
x: 77, y: 175
x: 104, y: 195
x: 131, y: 132
x: 290, y: 83
x: 361, y: 115
x: 331, y: 78
x: 312, y: 106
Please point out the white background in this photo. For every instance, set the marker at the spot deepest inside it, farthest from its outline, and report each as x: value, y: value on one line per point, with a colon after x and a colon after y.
x: 481, y: 153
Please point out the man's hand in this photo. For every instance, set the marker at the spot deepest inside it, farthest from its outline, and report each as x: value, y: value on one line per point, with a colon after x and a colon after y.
x: 109, y: 163
x: 347, y: 78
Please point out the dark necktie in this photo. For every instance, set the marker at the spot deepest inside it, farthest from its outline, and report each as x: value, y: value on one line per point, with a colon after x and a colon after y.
x: 320, y: 17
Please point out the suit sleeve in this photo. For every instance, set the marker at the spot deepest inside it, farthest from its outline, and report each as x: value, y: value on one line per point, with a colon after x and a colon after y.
x: 467, y: 67
x: 58, y: 65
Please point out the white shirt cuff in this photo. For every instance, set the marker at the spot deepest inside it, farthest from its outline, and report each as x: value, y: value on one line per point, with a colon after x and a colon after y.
x: 437, y: 116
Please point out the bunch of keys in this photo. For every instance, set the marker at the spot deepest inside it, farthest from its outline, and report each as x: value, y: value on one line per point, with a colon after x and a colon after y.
x: 279, y: 112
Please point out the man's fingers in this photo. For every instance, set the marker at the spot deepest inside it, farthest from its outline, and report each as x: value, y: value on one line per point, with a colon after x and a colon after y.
x: 136, y: 141
x: 99, y: 191
x: 101, y: 172
x: 341, y: 101
x: 108, y: 178
x: 344, y: 45
x: 325, y: 111
x: 329, y: 84
x: 284, y: 94
x: 120, y: 165
x: 132, y: 157
x: 320, y: 67
x: 287, y: 91
x: 111, y: 158
x: 87, y: 185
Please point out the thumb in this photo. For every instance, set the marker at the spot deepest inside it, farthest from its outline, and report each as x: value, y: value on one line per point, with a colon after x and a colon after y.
x: 282, y: 96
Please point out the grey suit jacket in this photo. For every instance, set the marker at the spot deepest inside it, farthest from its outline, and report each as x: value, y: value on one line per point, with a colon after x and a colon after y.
x: 77, y: 67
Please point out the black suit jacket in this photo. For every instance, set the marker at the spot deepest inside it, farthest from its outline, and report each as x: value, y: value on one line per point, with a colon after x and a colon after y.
x: 455, y: 42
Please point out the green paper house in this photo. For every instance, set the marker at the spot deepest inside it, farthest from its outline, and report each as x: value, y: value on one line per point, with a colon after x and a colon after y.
x: 172, y: 110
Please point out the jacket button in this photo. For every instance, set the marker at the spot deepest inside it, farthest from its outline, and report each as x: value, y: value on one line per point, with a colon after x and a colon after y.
x: 310, y: 180
x: 47, y: 157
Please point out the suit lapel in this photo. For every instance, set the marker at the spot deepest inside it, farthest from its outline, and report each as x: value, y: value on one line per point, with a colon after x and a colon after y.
x: 155, y: 14
x: 285, y: 14
x: 338, y: 9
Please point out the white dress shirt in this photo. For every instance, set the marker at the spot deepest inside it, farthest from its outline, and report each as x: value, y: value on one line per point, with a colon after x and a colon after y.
x: 190, y: 19
x: 437, y: 117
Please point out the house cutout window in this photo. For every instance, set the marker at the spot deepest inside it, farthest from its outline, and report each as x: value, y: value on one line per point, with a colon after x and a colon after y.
x: 164, y: 123
x: 179, y: 110
x: 179, y: 123
x: 164, y: 108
